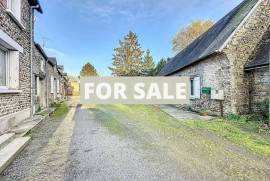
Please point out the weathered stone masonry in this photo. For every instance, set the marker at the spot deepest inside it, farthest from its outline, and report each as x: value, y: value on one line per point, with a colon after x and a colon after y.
x: 39, y: 72
x: 219, y: 60
x: 259, y: 87
x: 11, y: 103
x: 240, y: 48
x: 214, y: 72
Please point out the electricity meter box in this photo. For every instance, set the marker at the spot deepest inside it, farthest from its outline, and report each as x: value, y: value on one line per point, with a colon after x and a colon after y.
x: 217, y: 94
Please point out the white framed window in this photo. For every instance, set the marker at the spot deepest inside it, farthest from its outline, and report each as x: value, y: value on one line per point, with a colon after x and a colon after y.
x: 3, y: 68
x: 42, y: 66
x: 52, y: 85
x: 57, y: 86
x: 195, y: 86
x: 37, y: 86
x: 14, y: 7
x: 9, y: 64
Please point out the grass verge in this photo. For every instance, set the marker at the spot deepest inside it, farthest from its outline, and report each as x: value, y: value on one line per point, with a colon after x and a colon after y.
x: 245, y: 134
x: 109, y: 121
x: 61, y: 110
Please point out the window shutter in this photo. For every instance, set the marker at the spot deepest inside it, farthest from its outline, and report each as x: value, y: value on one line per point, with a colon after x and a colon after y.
x: 52, y: 85
x: 14, y: 69
x: 197, y: 87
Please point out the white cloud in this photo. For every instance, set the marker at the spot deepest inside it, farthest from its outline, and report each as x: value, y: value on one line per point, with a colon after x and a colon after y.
x: 129, y: 9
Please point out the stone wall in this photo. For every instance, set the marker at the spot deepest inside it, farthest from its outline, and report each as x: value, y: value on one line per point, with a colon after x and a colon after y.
x: 41, y: 100
x: 239, y: 49
x: 259, y: 87
x: 3, y: 3
x: 12, y: 103
x: 214, y: 72
x: 50, y: 71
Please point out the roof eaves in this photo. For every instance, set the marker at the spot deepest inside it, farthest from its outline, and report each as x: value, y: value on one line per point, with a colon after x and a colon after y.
x: 198, y: 61
x: 41, y: 50
x: 36, y: 5
x: 52, y: 61
x: 256, y: 67
x: 239, y: 26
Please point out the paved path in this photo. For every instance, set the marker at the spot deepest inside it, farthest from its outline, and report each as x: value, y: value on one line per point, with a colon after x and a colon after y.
x: 104, y: 143
x: 181, y: 114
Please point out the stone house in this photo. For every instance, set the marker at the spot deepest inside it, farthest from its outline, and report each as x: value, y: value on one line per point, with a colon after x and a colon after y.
x: 39, y: 81
x: 56, y: 81
x: 62, y: 83
x: 16, y: 35
x: 51, y: 80
x: 228, y: 65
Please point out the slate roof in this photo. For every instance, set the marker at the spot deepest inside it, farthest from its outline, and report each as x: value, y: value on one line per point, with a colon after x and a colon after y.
x: 36, y: 3
x: 41, y: 50
x: 262, y: 55
x: 211, y: 41
x: 52, y: 61
x: 61, y: 67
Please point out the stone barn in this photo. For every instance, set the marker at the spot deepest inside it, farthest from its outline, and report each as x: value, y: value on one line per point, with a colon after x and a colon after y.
x: 228, y: 65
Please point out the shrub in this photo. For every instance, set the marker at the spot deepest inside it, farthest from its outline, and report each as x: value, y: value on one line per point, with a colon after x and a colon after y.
x: 237, y: 118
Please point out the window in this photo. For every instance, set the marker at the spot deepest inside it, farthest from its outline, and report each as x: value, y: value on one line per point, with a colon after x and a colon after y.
x: 57, y: 86
x: 14, y: 6
x: 3, y: 68
x: 37, y: 85
x: 195, y: 84
x: 52, y: 84
x: 9, y: 64
x: 42, y: 65
x: 192, y: 87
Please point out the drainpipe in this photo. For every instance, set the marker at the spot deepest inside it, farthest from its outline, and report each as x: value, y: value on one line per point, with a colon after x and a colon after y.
x: 31, y: 56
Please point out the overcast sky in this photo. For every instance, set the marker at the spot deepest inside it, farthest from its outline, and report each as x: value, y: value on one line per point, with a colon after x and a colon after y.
x: 77, y: 31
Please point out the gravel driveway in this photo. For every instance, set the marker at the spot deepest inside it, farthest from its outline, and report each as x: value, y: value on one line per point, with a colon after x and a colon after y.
x: 102, y: 143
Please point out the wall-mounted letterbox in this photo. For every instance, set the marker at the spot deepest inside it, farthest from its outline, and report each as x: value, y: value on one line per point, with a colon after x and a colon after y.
x: 217, y: 94
x: 206, y: 90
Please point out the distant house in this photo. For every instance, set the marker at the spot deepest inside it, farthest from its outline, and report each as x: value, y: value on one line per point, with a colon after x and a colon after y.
x: 56, y: 81
x: 62, y: 83
x: 74, y: 88
x: 39, y: 82
x: 16, y: 35
x: 229, y: 62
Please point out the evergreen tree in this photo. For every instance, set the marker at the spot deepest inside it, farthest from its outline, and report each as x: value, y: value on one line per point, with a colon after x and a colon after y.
x: 88, y: 70
x: 127, y: 58
x: 148, y: 64
x: 160, y: 66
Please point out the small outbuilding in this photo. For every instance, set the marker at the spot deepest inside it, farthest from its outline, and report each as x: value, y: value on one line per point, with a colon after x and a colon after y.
x: 229, y: 64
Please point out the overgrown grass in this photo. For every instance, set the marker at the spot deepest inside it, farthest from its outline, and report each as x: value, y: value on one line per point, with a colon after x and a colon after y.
x: 61, y: 110
x: 245, y: 134
x: 194, y: 143
x: 109, y: 121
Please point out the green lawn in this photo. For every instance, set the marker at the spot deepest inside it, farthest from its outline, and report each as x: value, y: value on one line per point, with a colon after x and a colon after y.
x: 200, y: 146
x: 61, y: 110
x: 246, y: 134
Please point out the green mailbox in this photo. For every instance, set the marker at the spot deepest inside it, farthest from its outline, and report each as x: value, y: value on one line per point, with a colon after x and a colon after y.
x: 206, y: 90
